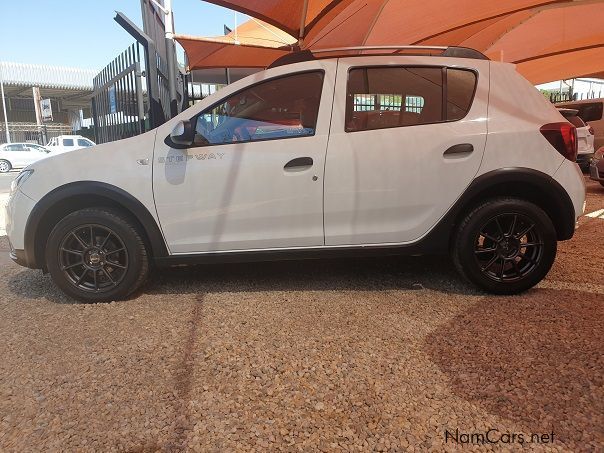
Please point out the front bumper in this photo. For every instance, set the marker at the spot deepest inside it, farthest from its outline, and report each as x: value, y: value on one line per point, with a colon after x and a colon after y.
x: 18, y: 209
x: 18, y: 256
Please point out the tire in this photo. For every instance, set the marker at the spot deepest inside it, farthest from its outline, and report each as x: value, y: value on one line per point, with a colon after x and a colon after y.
x: 5, y: 166
x: 111, y: 267
x: 486, y: 254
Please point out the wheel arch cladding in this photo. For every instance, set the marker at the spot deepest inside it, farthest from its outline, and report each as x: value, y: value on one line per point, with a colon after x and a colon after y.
x: 87, y: 194
x: 527, y: 184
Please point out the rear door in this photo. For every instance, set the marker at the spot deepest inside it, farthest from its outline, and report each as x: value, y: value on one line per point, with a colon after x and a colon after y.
x: 406, y: 140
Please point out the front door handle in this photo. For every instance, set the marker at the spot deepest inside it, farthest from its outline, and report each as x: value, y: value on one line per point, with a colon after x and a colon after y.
x: 464, y: 148
x: 299, y: 163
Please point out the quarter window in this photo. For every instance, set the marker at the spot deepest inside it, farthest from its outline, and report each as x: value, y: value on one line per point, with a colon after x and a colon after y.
x: 286, y: 107
x: 460, y: 93
x: 380, y: 98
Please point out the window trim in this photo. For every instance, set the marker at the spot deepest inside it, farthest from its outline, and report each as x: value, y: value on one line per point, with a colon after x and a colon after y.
x: 235, y: 93
x: 443, y: 68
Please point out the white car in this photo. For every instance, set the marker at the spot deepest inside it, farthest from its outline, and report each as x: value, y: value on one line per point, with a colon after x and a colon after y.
x: 585, y: 137
x: 19, y: 155
x: 64, y: 143
x: 346, y: 155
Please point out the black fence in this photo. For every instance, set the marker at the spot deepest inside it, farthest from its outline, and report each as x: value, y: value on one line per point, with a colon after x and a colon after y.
x: 569, y: 97
x: 118, y: 104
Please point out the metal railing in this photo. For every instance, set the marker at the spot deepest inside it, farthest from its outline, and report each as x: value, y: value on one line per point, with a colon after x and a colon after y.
x: 118, y: 106
x: 32, y: 133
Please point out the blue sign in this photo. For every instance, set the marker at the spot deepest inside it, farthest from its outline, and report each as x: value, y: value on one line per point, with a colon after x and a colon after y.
x: 112, y: 100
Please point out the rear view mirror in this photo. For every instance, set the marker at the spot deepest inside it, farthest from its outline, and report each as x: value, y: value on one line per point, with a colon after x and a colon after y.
x: 183, y: 134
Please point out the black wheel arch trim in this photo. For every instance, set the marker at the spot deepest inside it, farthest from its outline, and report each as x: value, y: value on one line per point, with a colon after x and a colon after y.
x: 91, y: 188
x: 557, y: 198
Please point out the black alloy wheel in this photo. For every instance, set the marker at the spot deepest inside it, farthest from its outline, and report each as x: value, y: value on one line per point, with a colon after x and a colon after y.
x: 97, y: 255
x: 504, y: 245
x: 508, y: 247
x: 93, y: 258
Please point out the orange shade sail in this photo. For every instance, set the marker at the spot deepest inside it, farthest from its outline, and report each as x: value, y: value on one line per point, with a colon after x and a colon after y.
x: 254, y: 44
x: 549, y: 40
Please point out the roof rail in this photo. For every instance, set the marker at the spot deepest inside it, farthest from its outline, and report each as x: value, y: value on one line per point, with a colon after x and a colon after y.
x: 443, y: 51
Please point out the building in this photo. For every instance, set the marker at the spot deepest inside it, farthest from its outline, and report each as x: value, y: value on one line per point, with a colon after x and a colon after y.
x: 67, y: 91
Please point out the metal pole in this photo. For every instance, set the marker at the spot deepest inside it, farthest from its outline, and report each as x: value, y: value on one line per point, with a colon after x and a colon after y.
x: 37, y: 97
x: 171, y: 51
x: 4, y: 105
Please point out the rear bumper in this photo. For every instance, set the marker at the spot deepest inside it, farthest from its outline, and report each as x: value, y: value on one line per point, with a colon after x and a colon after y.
x: 570, y: 177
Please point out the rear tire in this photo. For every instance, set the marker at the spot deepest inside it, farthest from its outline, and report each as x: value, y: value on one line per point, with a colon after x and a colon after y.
x: 5, y: 166
x: 505, y: 245
x: 97, y: 255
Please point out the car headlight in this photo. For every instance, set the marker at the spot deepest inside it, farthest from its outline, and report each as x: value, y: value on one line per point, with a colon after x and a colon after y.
x: 19, y: 180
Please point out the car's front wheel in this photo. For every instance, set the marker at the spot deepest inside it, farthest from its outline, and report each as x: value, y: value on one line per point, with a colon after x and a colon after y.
x: 5, y: 166
x: 505, y: 245
x: 97, y: 255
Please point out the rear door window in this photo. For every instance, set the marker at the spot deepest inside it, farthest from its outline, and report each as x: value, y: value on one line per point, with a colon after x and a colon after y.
x: 68, y: 142
x: 591, y: 112
x: 386, y: 97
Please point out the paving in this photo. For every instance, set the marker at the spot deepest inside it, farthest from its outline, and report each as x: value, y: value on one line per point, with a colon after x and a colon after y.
x: 388, y: 355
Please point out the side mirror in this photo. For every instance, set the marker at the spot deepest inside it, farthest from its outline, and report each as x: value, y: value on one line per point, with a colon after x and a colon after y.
x: 182, y: 135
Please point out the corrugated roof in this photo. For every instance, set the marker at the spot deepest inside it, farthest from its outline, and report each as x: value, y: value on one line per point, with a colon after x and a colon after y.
x: 44, y: 76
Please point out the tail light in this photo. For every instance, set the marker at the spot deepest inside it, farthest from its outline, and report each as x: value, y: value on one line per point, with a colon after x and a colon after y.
x: 563, y: 137
x: 591, y: 130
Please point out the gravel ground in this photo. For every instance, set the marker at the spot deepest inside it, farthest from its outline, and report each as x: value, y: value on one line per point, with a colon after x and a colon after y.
x: 370, y: 354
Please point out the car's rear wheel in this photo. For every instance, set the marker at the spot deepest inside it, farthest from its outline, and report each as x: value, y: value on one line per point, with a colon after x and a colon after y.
x: 5, y: 166
x: 97, y: 255
x: 505, y: 245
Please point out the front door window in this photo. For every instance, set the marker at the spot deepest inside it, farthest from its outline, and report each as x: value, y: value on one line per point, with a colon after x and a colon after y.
x: 281, y: 108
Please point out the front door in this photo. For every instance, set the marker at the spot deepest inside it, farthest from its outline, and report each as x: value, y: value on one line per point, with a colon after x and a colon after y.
x: 254, y: 177
x: 406, y: 140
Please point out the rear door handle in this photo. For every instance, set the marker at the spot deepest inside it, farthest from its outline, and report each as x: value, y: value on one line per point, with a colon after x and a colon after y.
x: 464, y: 148
x: 299, y: 163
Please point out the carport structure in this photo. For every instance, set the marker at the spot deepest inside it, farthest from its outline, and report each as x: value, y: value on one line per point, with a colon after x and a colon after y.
x: 548, y: 40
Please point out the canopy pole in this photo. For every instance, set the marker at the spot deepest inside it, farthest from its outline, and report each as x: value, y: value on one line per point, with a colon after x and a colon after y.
x: 303, y: 23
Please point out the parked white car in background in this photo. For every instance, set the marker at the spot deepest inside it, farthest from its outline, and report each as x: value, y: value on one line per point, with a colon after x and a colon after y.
x: 65, y: 143
x: 20, y: 155
x: 347, y: 155
x: 591, y: 111
x: 585, y: 137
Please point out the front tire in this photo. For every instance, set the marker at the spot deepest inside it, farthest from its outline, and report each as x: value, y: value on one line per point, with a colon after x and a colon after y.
x: 5, y: 166
x: 97, y: 255
x: 505, y: 245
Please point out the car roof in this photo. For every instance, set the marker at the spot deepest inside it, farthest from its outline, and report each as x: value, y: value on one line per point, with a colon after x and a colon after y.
x: 365, y: 51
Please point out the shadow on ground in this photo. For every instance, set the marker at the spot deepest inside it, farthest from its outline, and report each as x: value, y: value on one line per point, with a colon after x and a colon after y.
x: 536, y: 360
x: 367, y: 274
